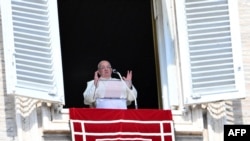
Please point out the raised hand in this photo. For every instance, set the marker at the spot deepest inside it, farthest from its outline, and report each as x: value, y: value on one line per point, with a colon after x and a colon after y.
x: 128, y: 78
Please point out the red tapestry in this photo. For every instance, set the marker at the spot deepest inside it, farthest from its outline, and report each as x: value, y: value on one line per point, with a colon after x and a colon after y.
x: 89, y: 124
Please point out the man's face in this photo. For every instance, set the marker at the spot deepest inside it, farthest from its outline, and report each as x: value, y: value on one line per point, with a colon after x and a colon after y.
x: 105, y: 69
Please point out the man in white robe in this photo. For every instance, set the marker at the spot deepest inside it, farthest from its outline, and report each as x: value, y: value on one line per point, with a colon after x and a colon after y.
x: 98, y: 92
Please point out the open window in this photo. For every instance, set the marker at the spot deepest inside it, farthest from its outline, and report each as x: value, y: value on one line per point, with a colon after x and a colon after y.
x: 32, y: 49
x: 206, y: 50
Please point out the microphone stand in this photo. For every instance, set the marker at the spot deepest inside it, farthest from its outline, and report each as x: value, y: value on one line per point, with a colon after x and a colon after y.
x: 114, y: 71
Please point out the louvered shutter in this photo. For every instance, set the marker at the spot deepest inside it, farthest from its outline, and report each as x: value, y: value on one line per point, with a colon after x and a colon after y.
x: 210, y: 50
x: 32, y: 49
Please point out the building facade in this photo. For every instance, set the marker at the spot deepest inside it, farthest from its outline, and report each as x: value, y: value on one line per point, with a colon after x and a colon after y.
x: 42, y: 117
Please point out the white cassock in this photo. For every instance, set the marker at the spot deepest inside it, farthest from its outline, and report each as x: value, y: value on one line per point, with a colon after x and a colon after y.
x: 109, y: 94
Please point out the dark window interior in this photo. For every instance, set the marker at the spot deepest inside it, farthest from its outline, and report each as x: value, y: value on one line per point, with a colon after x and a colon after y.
x: 116, y: 30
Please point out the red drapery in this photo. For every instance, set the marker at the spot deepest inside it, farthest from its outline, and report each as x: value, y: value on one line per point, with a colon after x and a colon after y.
x: 114, y: 124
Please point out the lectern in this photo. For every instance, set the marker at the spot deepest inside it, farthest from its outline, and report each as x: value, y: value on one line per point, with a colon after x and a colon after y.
x: 111, y: 94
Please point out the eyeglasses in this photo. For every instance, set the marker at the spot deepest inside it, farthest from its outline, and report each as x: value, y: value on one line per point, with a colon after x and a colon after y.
x: 107, y: 67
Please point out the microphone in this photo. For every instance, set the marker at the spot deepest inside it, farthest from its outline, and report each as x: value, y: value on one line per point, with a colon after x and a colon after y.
x: 115, y: 71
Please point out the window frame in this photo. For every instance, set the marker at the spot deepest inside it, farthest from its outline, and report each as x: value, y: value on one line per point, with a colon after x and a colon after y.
x: 171, y: 90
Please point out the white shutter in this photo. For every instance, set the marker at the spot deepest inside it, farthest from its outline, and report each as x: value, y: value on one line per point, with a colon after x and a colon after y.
x: 32, y: 49
x: 210, y: 50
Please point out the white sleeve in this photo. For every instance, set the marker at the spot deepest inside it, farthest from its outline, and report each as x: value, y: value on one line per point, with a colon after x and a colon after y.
x: 89, y: 93
x: 131, y: 94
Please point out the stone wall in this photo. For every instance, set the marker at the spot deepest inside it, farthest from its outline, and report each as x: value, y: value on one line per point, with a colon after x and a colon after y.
x: 7, y: 106
x: 243, y: 116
